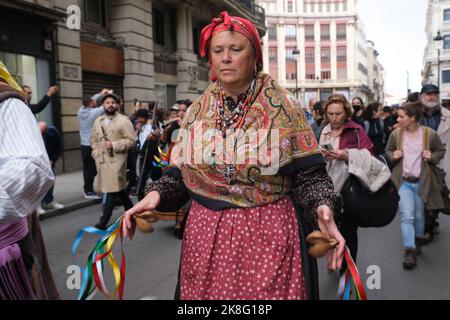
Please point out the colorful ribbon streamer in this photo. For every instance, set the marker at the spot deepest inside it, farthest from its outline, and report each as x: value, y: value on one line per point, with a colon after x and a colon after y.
x: 93, y: 272
x: 163, y: 160
x: 351, y: 278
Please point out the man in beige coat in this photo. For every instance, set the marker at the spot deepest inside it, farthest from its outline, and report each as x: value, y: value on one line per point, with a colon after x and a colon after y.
x: 112, y: 137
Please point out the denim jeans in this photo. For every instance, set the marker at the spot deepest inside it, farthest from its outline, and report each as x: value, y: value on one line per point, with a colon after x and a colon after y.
x: 412, y: 217
x: 109, y: 200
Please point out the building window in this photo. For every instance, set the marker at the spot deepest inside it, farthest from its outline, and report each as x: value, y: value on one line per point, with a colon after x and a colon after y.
x: 341, y: 54
x: 290, y: 31
x: 446, y: 76
x: 325, y: 75
x: 95, y: 12
x: 362, y: 68
x: 342, y: 73
x: 290, y: 6
x: 195, y: 38
x: 446, y: 42
x: 309, y: 32
x: 31, y: 71
x: 272, y: 31
x: 345, y: 6
x: 325, y: 32
x: 309, y: 55
x: 310, y: 74
x: 341, y: 32
x: 164, y: 27
x: 273, y: 54
x: 328, y: 6
x: 273, y: 70
x: 158, y: 27
x: 325, y: 55
x: 290, y: 72
x: 447, y: 15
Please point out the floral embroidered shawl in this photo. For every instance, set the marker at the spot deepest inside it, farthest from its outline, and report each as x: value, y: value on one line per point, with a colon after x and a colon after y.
x: 281, y: 133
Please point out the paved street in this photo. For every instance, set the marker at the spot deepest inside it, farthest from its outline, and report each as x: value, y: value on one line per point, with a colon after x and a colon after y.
x: 382, y: 247
x: 152, y: 260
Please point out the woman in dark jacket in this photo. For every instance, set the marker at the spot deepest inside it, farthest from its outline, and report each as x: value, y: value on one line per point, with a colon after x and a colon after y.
x: 374, y: 127
x: 358, y: 110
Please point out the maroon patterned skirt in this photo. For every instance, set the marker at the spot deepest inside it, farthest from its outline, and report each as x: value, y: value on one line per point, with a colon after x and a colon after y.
x: 242, y: 253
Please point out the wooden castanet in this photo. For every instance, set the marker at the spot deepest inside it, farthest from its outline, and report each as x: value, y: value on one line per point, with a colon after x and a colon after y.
x: 320, y: 244
x: 171, y: 216
x: 145, y: 219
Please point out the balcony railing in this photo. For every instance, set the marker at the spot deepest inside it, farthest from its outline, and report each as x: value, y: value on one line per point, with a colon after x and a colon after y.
x: 248, y: 3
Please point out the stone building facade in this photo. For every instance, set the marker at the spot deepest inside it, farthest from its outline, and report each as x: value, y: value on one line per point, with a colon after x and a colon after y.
x: 142, y: 49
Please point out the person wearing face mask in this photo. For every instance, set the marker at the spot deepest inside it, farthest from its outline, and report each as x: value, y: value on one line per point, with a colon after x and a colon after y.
x: 358, y: 110
x: 374, y: 126
x: 112, y: 137
x: 438, y: 119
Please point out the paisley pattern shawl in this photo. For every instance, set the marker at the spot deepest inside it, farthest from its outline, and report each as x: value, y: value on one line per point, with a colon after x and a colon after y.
x: 282, y: 134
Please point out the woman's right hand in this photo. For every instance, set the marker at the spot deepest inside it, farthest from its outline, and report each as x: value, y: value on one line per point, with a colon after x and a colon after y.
x: 398, y: 154
x: 150, y: 202
x: 326, y: 154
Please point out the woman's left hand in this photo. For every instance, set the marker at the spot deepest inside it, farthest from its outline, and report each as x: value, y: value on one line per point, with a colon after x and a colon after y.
x: 329, y: 228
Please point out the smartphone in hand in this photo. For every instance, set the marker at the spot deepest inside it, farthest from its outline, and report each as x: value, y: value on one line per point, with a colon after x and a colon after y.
x: 327, y: 146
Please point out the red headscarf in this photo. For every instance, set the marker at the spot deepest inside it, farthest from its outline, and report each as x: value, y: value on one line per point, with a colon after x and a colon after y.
x: 225, y: 22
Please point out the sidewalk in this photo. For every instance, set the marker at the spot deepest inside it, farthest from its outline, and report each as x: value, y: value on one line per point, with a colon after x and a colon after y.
x: 69, y: 192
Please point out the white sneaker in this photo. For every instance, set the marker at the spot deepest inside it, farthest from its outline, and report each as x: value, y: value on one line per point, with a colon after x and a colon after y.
x: 40, y: 210
x: 53, y: 205
x: 92, y: 195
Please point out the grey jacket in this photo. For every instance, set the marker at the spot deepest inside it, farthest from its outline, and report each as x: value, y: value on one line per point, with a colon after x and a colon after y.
x: 86, y: 117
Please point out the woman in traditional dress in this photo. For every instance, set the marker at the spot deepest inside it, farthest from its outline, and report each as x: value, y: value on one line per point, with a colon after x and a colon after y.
x: 253, y: 204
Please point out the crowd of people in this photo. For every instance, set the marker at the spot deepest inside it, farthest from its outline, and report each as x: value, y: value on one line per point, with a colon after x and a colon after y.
x: 245, y: 234
x: 122, y: 151
x: 396, y: 136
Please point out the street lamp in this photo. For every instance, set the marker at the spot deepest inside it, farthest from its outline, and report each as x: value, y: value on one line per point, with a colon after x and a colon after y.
x: 439, y: 43
x: 296, y: 54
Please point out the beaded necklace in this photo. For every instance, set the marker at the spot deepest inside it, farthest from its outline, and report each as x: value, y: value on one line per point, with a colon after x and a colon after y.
x: 238, y: 113
x: 234, y: 120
